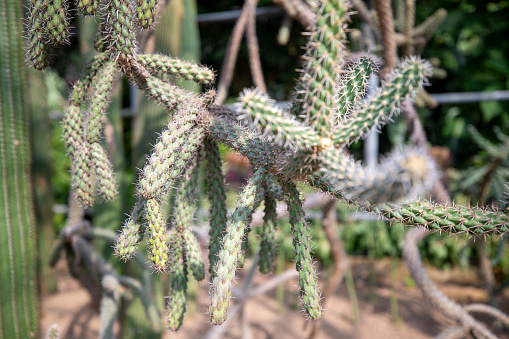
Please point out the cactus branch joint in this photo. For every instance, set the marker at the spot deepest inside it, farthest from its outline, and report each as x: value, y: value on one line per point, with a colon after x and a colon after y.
x: 306, y: 143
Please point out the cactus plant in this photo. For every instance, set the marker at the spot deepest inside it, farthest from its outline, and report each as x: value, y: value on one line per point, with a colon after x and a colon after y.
x: 305, y: 143
x: 18, y: 275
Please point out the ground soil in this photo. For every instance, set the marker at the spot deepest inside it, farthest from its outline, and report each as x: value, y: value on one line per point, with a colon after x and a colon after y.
x: 75, y: 310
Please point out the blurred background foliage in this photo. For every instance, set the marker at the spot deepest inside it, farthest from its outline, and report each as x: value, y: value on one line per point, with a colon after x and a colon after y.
x: 471, y: 45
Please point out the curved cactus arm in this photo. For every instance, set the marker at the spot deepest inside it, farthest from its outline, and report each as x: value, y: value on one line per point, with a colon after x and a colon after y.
x: 268, y: 241
x: 308, y: 283
x: 232, y: 243
x: 217, y: 196
x: 405, y: 173
x: 322, y: 66
x: 165, y: 67
x: 353, y: 87
x: 178, y: 282
x: 129, y: 239
x: 378, y: 111
x: 258, y: 110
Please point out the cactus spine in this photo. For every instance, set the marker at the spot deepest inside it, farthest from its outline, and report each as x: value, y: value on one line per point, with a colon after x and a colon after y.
x: 18, y: 295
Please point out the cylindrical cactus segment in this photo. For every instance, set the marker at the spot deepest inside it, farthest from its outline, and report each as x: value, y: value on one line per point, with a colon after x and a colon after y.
x: 217, y: 197
x: 87, y: 7
x: 302, y: 242
x: 37, y: 48
x: 378, y: 111
x: 322, y: 65
x: 72, y: 129
x: 178, y: 282
x: 81, y: 87
x: 104, y: 171
x: 57, y: 22
x: 257, y: 109
x: 405, y: 173
x: 232, y: 242
x: 165, y: 67
x: 119, y: 29
x: 146, y: 11
x: 82, y: 174
x: 129, y: 239
x: 185, y: 198
x: 193, y: 255
x: 268, y: 238
x: 353, y: 87
x: 158, y: 238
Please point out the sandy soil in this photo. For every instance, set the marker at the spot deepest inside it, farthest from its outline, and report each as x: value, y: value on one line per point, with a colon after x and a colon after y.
x: 72, y: 308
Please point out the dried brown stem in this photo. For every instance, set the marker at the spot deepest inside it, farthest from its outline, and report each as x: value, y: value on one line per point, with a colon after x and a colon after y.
x: 254, y: 52
x: 384, y: 11
x: 298, y: 10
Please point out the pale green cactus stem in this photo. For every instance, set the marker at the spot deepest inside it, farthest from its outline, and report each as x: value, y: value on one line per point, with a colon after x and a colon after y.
x: 193, y: 255
x: 258, y: 109
x: 402, y: 174
x: 82, y: 174
x: 178, y: 282
x: 268, y: 240
x: 217, y: 196
x: 232, y: 243
x: 72, y: 129
x: 81, y: 87
x: 302, y: 243
x: 146, y: 11
x: 164, y: 67
x: 322, y: 66
x: 129, y: 239
x: 377, y: 112
x: 273, y: 188
x: 37, y: 47
x: 353, y: 87
x: 104, y: 171
x: 57, y: 22
x: 87, y: 7
x: 119, y: 29
x: 158, y: 237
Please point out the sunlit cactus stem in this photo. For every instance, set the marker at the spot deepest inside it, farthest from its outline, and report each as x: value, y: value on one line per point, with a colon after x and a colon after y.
x: 158, y: 237
x: 178, y: 282
x: 146, y: 11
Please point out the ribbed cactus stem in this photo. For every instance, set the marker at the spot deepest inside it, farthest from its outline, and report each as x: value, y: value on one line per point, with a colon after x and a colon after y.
x: 232, y: 242
x: 178, y: 282
x: 104, y: 172
x: 82, y: 174
x: 268, y: 240
x: 158, y: 238
x: 72, y: 129
x: 308, y: 283
x: 81, y: 87
x: 57, y: 22
x: 165, y: 67
x: 193, y: 255
x: 129, y: 239
x: 146, y: 11
x: 119, y: 29
x: 257, y: 109
x: 37, y: 47
x: 217, y: 197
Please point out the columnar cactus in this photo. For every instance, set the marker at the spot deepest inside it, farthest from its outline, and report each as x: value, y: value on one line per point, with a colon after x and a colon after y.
x: 306, y: 143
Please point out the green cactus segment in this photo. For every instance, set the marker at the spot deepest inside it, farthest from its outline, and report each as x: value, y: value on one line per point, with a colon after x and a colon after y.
x: 119, y: 29
x: 405, y: 173
x: 104, y: 172
x: 81, y: 87
x: 72, y: 129
x: 217, y: 196
x: 257, y: 109
x: 302, y: 242
x: 129, y: 239
x: 82, y: 175
x: 37, y: 47
x: 87, y: 7
x: 193, y: 255
x: 377, y: 112
x: 273, y: 188
x: 99, y: 101
x: 165, y: 67
x: 158, y: 238
x: 449, y: 219
x: 353, y: 87
x: 18, y: 272
x: 268, y: 239
x: 57, y: 22
x: 146, y: 11
x: 177, y: 144
x: 323, y: 62
x: 178, y: 283
x: 167, y: 94
x: 232, y: 242
x: 185, y: 198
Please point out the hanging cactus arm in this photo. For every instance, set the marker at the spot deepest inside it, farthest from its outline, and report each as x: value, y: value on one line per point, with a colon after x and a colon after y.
x: 308, y: 283
x: 193, y: 255
x: 178, y: 282
x: 157, y: 235
x: 257, y: 109
x: 402, y: 174
x: 129, y: 239
x: 228, y: 255
x: 378, y: 111
x: 146, y: 12
x: 268, y: 240
x: 37, y: 49
x: 57, y: 22
x: 165, y: 67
